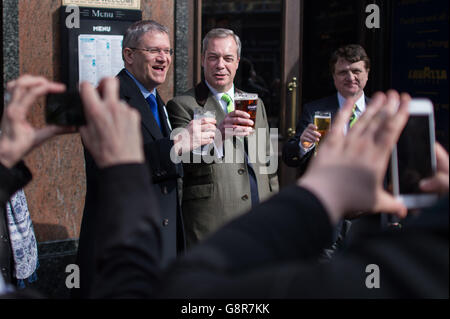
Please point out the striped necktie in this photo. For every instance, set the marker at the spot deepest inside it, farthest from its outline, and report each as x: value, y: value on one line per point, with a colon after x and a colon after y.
x: 230, y: 106
x: 353, y: 118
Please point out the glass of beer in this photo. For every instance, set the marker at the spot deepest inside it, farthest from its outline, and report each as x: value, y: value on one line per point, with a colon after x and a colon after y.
x: 323, y: 122
x: 200, y: 113
x: 247, y: 102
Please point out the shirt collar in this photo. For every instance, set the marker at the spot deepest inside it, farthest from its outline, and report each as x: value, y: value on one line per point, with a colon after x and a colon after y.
x: 141, y: 87
x: 360, y: 103
x: 218, y: 95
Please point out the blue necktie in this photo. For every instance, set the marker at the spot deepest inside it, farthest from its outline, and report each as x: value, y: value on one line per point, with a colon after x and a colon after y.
x: 151, y: 100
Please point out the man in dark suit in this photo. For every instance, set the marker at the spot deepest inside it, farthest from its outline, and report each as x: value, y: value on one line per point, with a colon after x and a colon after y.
x: 147, y: 56
x: 349, y: 66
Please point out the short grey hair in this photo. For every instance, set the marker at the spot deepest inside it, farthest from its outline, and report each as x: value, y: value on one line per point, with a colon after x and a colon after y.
x: 221, y: 33
x: 138, y: 29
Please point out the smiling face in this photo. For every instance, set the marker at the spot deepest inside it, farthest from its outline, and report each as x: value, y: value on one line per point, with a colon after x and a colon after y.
x: 148, y: 68
x: 220, y: 62
x: 350, y: 78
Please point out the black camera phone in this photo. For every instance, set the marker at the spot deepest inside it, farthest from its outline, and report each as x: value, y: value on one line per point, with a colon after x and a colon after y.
x: 65, y: 109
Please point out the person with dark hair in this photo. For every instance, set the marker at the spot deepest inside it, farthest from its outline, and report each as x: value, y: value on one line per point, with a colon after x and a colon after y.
x: 147, y: 55
x: 349, y: 67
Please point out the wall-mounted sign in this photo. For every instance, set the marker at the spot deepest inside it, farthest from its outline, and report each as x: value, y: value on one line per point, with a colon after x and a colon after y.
x: 117, y: 4
x: 93, y: 49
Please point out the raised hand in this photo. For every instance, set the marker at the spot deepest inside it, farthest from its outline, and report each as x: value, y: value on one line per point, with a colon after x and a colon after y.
x: 198, y: 133
x: 113, y: 132
x: 347, y: 174
x: 236, y: 123
x: 18, y: 137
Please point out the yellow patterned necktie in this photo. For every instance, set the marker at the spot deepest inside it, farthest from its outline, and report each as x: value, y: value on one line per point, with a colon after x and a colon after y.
x: 230, y: 106
x: 353, y: 118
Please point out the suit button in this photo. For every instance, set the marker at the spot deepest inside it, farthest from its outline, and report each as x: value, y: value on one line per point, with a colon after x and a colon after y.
x: 4, y: 239
x: 295, y: 158
x: 245, y: 197
x: 165, y: 222
x: 241, y: 171
x: 164, y: 190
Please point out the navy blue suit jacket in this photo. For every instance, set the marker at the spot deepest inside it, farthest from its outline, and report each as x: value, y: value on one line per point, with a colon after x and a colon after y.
x: 165, y: 181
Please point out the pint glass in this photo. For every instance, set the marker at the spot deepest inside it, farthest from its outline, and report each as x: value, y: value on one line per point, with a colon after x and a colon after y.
x: 323, y: 122
x: 247, y: 102
x: 200, y: 113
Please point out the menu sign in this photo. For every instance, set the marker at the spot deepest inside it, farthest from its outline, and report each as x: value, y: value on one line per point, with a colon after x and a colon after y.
x: 117, y: 4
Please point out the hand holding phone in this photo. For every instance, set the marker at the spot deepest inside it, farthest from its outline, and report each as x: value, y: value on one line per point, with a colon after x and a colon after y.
x: 414, y: 158
x: 439, y: 183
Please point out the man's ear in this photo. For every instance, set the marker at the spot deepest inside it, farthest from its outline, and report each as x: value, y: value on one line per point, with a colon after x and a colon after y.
x: 128, y: 55
x: 203, y: 60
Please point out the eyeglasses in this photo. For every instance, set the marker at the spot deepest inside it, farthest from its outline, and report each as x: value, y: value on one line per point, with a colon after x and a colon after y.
x: 156, y: 51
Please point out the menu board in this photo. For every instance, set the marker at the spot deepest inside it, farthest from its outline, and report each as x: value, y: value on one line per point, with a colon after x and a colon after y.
x: 99, y: 56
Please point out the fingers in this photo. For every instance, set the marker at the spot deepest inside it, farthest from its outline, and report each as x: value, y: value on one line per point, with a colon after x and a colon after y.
x: 238, y: 118
x: 91, y: 100
x: 390, y: 132
x: 436, y: 184
x: 237, y: 113
x: 237, y: 130
x: 388, y: 204
x: 109, y: 88
x: 310, y: 135
x: 442, y: 161
x: 377, y: 102
x: 25, y: 90
x: 341, y: 119
x: 208, y: 120
x: 202, y: 125
x: 439, y: 183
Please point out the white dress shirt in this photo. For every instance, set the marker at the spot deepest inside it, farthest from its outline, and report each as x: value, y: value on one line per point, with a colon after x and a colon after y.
x: 218, y: 96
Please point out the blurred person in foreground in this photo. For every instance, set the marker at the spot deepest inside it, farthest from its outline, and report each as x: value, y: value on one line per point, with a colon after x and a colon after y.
x: 272, y: 252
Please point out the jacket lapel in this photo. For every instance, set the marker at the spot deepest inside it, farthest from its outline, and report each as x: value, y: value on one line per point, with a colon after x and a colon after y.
x: 132, y: 95
x: 163, y: 118
x: 206, y: 100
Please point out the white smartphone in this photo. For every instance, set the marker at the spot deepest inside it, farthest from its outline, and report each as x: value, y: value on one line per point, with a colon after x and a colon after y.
x: 414, y: 157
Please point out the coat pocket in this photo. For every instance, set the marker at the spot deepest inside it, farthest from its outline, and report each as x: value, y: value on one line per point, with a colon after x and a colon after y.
x: 198, y: 191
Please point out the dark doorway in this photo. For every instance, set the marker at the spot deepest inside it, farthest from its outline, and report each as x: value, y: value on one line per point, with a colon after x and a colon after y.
x: 257, y: 23
x: 1, y: 59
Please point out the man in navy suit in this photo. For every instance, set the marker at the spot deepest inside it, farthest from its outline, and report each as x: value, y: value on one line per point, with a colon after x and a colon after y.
x: 349, y: 66
x: 147, y: 56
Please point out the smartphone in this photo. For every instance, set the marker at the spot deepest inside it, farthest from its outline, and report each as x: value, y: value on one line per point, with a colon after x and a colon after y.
x: 65, y: 109
x: 414, y: 157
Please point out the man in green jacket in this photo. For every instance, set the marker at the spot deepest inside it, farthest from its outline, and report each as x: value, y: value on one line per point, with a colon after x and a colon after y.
x: 215, y: 191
